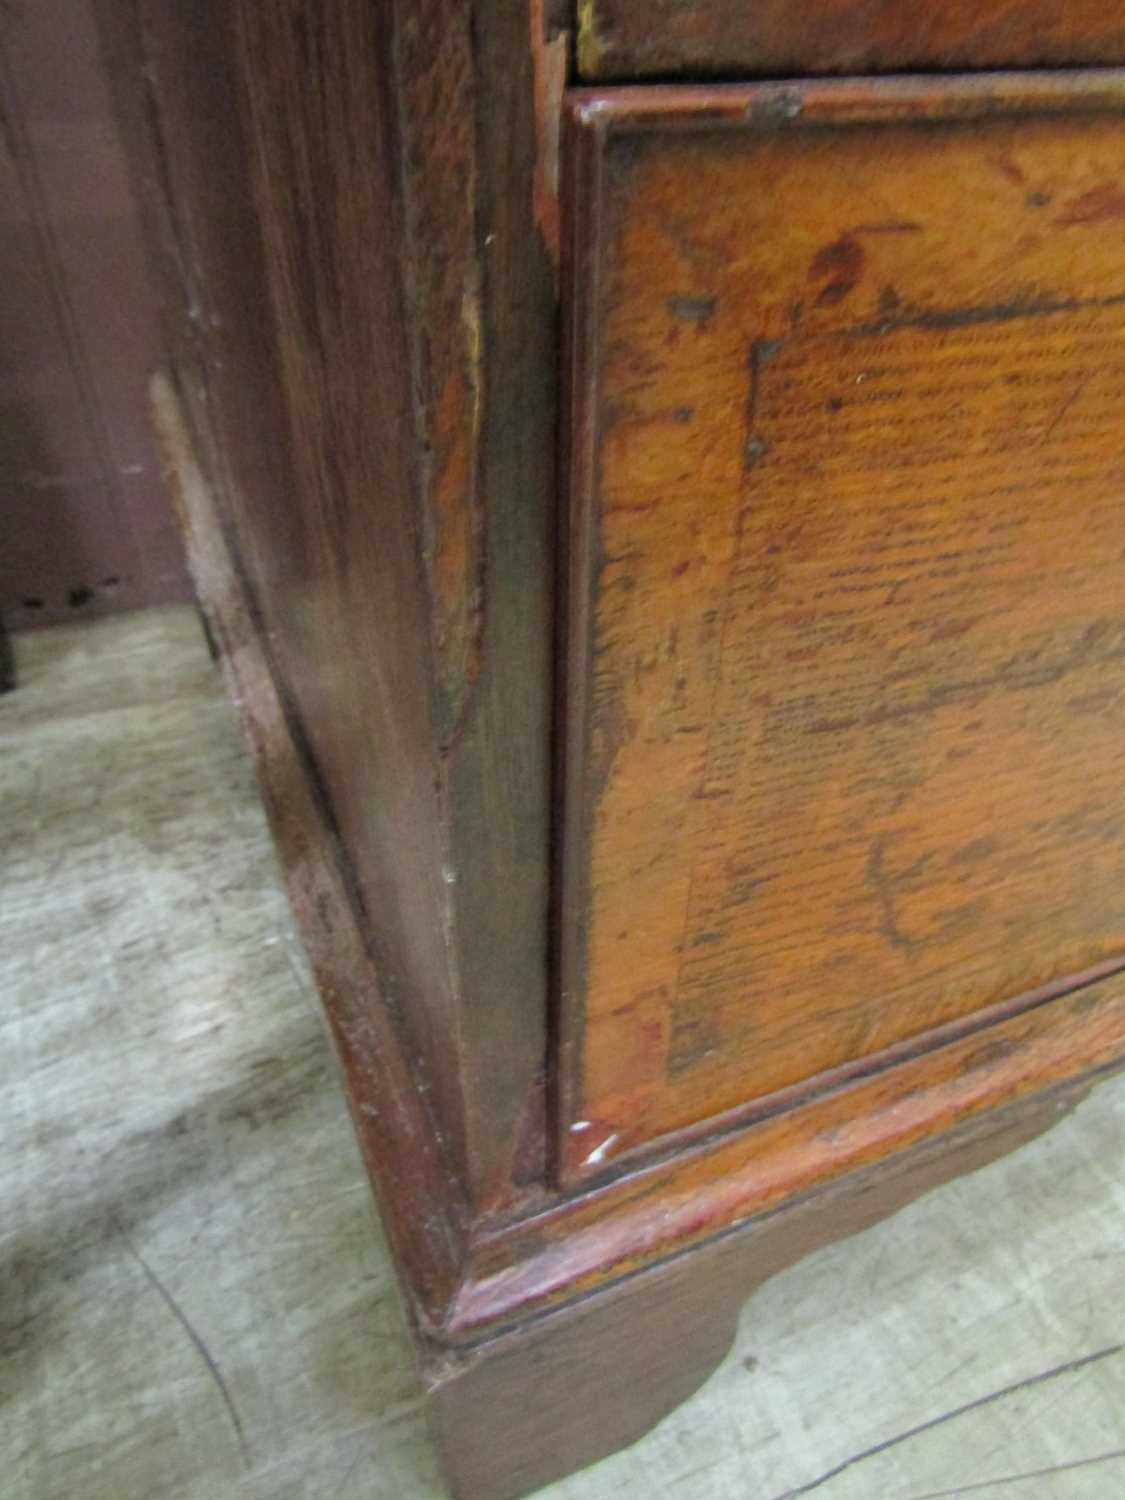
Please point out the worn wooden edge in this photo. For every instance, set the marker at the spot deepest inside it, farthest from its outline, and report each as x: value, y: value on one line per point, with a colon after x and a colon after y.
x: 583, y: 201
x: 421, y: 1204
x: 895, y: 98
x: 431, y: 46
x: 619, y: 41
x: 797, y: 1095
x: 673, y: 1204
x: 496, y: 766
x: 597, y: 1374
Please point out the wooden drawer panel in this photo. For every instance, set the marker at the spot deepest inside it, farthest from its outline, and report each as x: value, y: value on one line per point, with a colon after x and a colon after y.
x: 634, y: 39
x: 846, y: 672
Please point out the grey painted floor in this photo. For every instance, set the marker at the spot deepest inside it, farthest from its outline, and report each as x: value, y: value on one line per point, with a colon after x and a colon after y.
x: 194, y: 1297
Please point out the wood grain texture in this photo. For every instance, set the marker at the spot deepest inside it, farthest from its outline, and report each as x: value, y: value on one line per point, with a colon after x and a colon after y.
x: 627, y: 39
x: 596, y: 1375
x: 745, y: 1172
x: 350, y: 622
x: 441, y: 273
x: 844, y: 711
x: 392, y: 1122
x: 362, y: 323
x: 498, y: 769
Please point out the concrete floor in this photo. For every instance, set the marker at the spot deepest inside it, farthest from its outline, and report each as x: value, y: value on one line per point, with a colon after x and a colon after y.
x: 194, y: 1297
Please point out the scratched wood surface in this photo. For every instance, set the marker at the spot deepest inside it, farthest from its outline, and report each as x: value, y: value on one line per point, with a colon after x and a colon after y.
x: 628, y: 39
x: 194, y: 1301
x: 847, y: 629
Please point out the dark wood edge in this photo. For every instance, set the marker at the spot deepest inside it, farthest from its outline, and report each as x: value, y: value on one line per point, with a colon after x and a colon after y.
x: 842, y: 101
x: 669, y: 1206
x: 496, y: 763
x: 421, y: 1205
x: 582, y: 203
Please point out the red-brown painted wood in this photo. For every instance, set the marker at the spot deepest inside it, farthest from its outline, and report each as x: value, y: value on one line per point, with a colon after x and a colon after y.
x: 361, y: 295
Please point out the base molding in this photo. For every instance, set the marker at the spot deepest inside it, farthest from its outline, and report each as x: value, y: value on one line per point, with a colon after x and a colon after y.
x: 524, y: 1409
x: 739, y: 1178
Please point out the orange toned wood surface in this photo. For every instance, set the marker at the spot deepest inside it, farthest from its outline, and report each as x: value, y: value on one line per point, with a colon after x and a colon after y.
x: 625, y: 39
x: 846, y: 755
x: 1006, y: 1071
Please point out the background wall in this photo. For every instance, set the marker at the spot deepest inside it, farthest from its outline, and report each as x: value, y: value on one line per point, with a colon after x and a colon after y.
x: 85, y: 524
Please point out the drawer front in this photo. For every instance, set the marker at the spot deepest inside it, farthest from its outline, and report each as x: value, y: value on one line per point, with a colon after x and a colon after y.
x: 845, y: 668
x: 636, y: 39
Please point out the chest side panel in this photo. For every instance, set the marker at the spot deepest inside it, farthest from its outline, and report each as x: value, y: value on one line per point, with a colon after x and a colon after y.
x: 847, y: 638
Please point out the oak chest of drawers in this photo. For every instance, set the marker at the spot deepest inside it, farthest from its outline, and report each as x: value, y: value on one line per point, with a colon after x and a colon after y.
x: 658, y: 477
